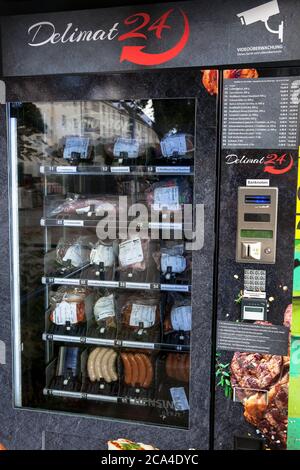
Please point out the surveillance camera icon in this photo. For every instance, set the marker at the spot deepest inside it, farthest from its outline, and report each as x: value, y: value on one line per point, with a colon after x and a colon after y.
x: 263, y: 13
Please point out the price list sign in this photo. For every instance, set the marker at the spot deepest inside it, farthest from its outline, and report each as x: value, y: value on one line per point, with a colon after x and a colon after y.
x: 261, y: 113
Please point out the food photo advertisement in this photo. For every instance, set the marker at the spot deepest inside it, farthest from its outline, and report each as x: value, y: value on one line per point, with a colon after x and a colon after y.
x: 149, y: 231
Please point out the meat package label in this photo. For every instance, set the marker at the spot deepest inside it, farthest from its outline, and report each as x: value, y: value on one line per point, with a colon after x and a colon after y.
x: 142, y: 314
x: 131, y: 252
x: 128, y: 147
x: 181, y: 318
x: 166, y: 198
x: 249, y: 337
x: 176, y: 263
x: 65, y: 312
x: 104, y: 308
x: 76, y: 145
x: 103, y: 254
x: 173, y: 145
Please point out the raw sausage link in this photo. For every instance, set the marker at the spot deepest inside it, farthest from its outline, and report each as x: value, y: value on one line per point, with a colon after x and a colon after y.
x: 141, y: 368
x: 112, y: 367
x: 98, y: 362
x: 173, y: 366
x: 180, y: 367
x: 104, y: 365
x: 91, y: 364
x: 127, y: 368
x: 149, y: 370
x: 169, y: 369
x: 135, y: 371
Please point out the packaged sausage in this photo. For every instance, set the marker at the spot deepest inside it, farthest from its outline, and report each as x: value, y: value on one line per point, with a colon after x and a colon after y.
x: 105, y: 311
x: 138, y: 369
x: 178, y: 366
x: 133, y: 254
x: 73, y: 252
x: 68, y: 306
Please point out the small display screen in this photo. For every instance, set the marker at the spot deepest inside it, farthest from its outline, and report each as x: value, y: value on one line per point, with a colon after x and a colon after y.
x: 254, y: 309
x: 257, y: 217
x: 256, y: 233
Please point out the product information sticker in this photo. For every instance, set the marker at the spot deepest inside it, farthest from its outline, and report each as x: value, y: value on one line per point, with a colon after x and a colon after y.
x: 76, y: 145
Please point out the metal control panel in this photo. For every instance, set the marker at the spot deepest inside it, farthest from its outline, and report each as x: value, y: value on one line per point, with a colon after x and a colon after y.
x: 257, y: 225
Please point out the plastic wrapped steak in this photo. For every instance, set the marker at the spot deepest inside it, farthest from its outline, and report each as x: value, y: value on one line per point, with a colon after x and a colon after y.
x: 133, y: 254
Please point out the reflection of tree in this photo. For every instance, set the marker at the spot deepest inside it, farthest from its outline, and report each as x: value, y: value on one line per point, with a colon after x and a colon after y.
x: 173, y: 114
x: 31, y: 117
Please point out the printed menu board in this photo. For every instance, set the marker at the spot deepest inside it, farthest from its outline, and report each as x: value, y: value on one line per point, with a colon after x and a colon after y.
x: 261, y: 113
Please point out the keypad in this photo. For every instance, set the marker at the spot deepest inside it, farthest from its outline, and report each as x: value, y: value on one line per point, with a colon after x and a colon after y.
x: 255, y: 280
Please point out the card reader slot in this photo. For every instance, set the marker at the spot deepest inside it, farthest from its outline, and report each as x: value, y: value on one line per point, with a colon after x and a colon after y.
x: 257, y: 199
x: 254, y: 217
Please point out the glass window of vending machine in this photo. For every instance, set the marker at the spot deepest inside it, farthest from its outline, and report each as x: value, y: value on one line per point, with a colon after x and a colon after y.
x: 103, y: 220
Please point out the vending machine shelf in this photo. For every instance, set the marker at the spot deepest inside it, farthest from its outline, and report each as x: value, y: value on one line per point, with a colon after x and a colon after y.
x: 117, y: 284
x: 117, y: 170
x: 115, y: 342
x: 92, y: 222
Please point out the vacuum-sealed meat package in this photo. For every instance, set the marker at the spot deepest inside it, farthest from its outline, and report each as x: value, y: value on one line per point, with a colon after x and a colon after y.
x: 178, y: 317
x: 68, y: 364
x: 140, y: 314
x: 102, y: 365
x: 138, y: 369
x: 103, y: 254
x: 123, y: 149
x: 169, y: 195
x: 172, y: 260
x: 177, y: 145
x: 105, y: 312
x: 77, y: 205
x: 68, y: 305
x: 178, y: 367
x: 73, y: 252
x: 133, y: 254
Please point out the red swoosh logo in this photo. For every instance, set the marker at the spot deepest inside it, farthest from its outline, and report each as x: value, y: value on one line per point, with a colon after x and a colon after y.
x: 274, y: 171
x: 136, y: 55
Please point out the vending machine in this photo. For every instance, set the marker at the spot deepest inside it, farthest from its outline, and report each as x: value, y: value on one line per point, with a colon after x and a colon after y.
x: 149, y: 197
x: 112, y: 223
